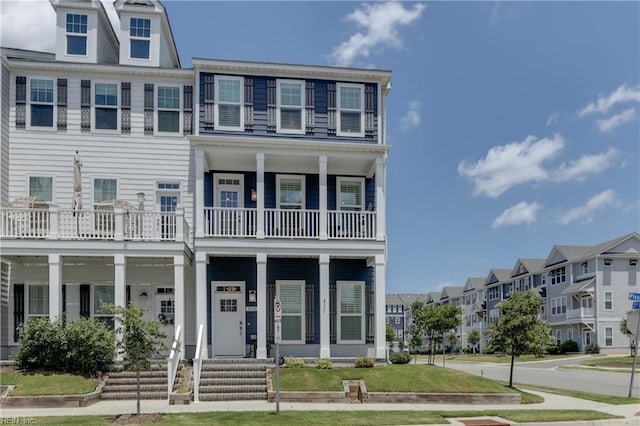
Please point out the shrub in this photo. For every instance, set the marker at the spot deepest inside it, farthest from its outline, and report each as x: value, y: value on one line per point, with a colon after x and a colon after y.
x: 91, y: 346
x: 42, y: 345
x: 592, y: 348
x: 569, y: 346
x: 467, y: 350
x: 364, y: 362
x: 552, y: 349
x: 292, y: 362
x: 324, y: 364
x: 400, y: 358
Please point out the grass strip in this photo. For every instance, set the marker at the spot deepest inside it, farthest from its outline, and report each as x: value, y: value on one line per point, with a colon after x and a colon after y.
x: 606, y: 399
x: 38, y: 383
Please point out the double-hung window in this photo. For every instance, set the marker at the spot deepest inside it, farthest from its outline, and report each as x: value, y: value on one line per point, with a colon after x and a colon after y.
x: 76, y: 34
x: 41, y: 100
x: 103, y: 296
x: 106, y: 106
x: 168, y: 109
x: 229, y: 99
x: 350, y: 117
x: 139, y: 37
x: 558, y: 276
x: 41, y: 187
x: 104, y: 190
x: 291, y: 104
x: 350, y: 311
x: 291, y: 294
x: 350, y: 193
x: 38, y: 300
x: 608, y: 301
x: 290, y: 192
x: 608, y: 336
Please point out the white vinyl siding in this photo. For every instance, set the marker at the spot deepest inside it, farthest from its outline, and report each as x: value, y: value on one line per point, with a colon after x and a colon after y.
x: 229, y: 100
x: 291, y: 294
x: 350, y: 193
x: 38, y: 300
x: 41, y: 187
x: 168, y: 114
x: 350, y: 109
x: 290, y: 192
x: 350, y: 311
x: 291, y: 103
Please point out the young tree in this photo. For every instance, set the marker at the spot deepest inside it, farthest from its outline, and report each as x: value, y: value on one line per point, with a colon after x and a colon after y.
x: 390, y: 334
x: 139, y: 339
x: 432, y: 323
x: 518, y: 330
x: 473, y: 338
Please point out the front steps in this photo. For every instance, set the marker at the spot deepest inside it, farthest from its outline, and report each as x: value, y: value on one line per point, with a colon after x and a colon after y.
x: 234, y: 379
x: 122, y: 385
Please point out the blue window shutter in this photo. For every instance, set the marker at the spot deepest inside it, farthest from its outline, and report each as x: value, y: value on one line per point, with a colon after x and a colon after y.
x: 21, y: 101
x: 187, y: 107
x: 331, y: 109
x: 148, y: 109
x: 271, y: 106
x: 62, y: 104
x: 248, y: 104
x: 18, y: 309
x: 85, y: 106
x: 125, y: 107
x: 310, y: 107
x: 85, y: 300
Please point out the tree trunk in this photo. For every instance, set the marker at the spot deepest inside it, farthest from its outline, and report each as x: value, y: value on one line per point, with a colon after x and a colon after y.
x: 138, y: 390
x: 513, y: 358
x: 442, y: 353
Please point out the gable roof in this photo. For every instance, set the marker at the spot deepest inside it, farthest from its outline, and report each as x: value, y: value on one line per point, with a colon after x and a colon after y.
x: 500, y: 276
x: 473, y: 283
x: 532, y: 266
x: 450, y: 292
x: 576, y: 253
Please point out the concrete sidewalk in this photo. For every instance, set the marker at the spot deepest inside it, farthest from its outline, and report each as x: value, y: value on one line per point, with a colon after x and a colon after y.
x: 552, y: 401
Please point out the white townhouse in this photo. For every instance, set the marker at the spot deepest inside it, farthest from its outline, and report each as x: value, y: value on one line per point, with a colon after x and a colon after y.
x: 200, y: 194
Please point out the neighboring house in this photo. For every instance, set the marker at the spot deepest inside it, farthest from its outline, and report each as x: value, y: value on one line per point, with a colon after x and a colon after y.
x: 474, y: 309
x: 205, y: 192
x: 497, y: 286
x: 528, y: 275
x: 398, y: 313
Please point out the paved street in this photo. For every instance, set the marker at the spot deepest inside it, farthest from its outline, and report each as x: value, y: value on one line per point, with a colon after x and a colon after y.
x: 548, y: 373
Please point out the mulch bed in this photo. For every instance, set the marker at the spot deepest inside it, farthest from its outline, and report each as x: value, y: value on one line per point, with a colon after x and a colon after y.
x: 136, y: 419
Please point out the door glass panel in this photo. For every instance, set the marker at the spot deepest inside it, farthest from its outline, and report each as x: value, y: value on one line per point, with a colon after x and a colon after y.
x: 229, y: 199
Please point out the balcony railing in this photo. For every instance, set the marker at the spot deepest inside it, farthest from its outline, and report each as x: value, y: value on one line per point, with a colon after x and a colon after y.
x: 115, y: 225
x: 579, y: 313
x: 289, y: 223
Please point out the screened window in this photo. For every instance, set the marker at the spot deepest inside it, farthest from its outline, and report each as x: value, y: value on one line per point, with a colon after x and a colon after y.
x: 350, y: 312
x: 140, y: 37
x: 350, y: 109
x: 291, y: 294
x: 350, y: 194
x: 103, y: 295
x: 76, y: 34
x: 41, y: 187
x: 290, y: 113
x: 558, y: 276
x: 38, y: 300
x: 106, y: 106
x: 41, y: 103
x: 290, y: 192
x: 229, y: 99
x: 608, y: 336
x: 168, y: 109
x: 104, y: 190
x: 608, y: 300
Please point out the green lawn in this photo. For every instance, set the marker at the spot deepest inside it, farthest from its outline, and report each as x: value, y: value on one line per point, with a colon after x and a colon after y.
x: 499, y: 358
x: 390, y: 378
x: 28, y: 383
x: 606, y: 399
x: 613, y: 361
x: 342, y: 417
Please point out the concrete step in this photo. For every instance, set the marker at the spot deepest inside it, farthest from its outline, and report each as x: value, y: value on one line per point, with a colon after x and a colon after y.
x: 237, y: 361
x: 132, y: 374
x: 234, y: 397
x: 132, y: 395
x: 258, y: 381
x: 233, y: 389
x: 133, y: 380
x: 222, y: 374
x: 234, y: 367
x: 132, y: 388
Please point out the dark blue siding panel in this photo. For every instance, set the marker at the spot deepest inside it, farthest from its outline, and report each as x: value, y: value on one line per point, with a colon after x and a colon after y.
x: 369, y: 193
x: 312, y: 192
x: 208, y: 189
x: 331, y: 192
x: 350, y: 270
x: 270, y: 190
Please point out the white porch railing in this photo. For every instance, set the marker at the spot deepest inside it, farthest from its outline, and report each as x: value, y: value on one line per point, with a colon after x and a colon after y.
x: 173, y: 361
x: 289, y: 223
x: 229, y: 222
x: 358, y: 225
x: 116, y: 225
x: 580, y: 313
x: 197, y: 365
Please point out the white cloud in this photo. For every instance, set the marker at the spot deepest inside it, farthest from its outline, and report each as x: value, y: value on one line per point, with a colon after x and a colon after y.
x: 522, y: 212
x: 602, y: 105
x: 412, y: 117
x: 553, y: 118
x: 31, y: 24
x: 607, y: 124
x: 513, y: 164
x: 379, y: 24
x: 586, y: 165
x: 585, y: 212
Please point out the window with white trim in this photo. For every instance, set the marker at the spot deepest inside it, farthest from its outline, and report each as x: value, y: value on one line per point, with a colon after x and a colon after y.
x: 291, y: 103
x: 398, y: 320
x: 350, y: 311
x: 569, y: 334
x: 291, y: 294
x: 608, y: 301
x: 139, y: 37
x: 106, y: 106
x: 350, y: 193
x: 558, y: 276
x: 633, y: 263
x: 229, y: 100
x: 103, y: 295
x: 76, y: 34
x: 608, y: 336
x: 350, y: 117
x: 41, y: 187
x: 607, y: 262
x: 38, y: 300
x: 104, y: 190
x: 493, y: 293
x: 585, y: 267
x: 168, y: 109
x: 41, y: 102
x: 558, y: 337
x: 290, y: 192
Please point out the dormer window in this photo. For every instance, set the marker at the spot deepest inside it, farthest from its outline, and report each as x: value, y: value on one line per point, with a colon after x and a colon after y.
x: 76, y: 34
x: 350, y: 109
x: 140, y: 37
x: 291, y: 118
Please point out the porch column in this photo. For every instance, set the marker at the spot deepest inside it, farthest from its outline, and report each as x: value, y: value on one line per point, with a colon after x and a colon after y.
x: 260, y: 194
x: 120, y: 285
x: 381, y: 208
x: 179, y: 302
x: 201, y: 300
x: 323, y: 197
x: 199, y: 193
x: 261, y: 261
x: 55, y: 286
x: 380, y: 291
x: 325, y: 332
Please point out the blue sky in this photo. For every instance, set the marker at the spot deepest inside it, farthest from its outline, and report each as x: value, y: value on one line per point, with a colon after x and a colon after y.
x: 514, y: 125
